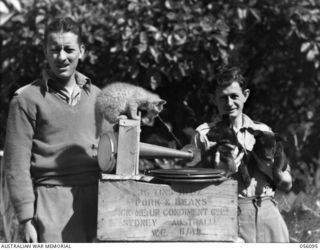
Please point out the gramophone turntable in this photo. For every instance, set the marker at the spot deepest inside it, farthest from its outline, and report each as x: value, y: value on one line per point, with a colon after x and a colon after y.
x: 188, y: 174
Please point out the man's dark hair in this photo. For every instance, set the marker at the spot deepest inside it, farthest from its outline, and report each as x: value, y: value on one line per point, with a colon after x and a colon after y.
x: 229, y: 74
x: 63, y: 24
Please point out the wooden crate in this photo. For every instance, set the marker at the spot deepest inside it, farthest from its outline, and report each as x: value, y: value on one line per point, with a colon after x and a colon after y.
x: 140, y: 211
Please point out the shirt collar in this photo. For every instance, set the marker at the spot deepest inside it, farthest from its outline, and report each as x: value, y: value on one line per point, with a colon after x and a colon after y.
x: 246, y: 123
x: 81, y: 80
x: 250, y: 124
x: 245, y: 137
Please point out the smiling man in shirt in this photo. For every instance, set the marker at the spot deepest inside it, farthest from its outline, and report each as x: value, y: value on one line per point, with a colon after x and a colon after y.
x: 50, y: 150
x: 259, y: 217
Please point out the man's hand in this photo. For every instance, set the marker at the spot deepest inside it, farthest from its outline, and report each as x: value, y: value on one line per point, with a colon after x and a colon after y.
x: 30, y: 232
x: 223, y: 159
x: 284, y: 181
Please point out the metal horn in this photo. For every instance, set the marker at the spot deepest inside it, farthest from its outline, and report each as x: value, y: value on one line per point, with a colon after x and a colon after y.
x: 154, y: 151
x: 107, y: 150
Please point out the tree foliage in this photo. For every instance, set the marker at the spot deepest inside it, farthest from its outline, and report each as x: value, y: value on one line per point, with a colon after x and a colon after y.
x: 175, y: 47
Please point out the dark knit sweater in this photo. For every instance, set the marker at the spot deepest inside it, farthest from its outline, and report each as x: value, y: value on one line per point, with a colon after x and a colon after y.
x: 49, y: 142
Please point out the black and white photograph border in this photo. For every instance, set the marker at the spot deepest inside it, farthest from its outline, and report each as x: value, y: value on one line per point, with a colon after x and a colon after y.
x: 168, y: 118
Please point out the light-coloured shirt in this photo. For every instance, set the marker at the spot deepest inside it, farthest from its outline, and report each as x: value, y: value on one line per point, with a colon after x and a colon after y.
x: 258, y: 186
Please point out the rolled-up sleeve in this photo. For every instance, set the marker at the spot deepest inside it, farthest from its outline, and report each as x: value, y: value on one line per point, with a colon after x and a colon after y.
x: 200, y: 139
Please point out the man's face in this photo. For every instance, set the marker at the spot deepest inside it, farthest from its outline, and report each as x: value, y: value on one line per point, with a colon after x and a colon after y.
x: 231, y: 99
x: 63, y: 52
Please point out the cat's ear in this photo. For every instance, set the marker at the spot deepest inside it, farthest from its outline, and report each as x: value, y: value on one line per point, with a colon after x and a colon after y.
x: 158, y: 106
x: 254, y: 132
x: 161, y: 103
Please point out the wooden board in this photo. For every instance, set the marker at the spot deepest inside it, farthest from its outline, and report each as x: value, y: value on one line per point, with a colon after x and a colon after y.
x: 139, y: 211
x: 128, y: 152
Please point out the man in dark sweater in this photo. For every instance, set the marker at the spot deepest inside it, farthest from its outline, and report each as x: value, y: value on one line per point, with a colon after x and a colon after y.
x: 50, y: 151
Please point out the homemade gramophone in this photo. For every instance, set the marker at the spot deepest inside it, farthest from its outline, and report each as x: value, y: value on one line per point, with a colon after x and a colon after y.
x: 122, y: 149
x: 135, y: 209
